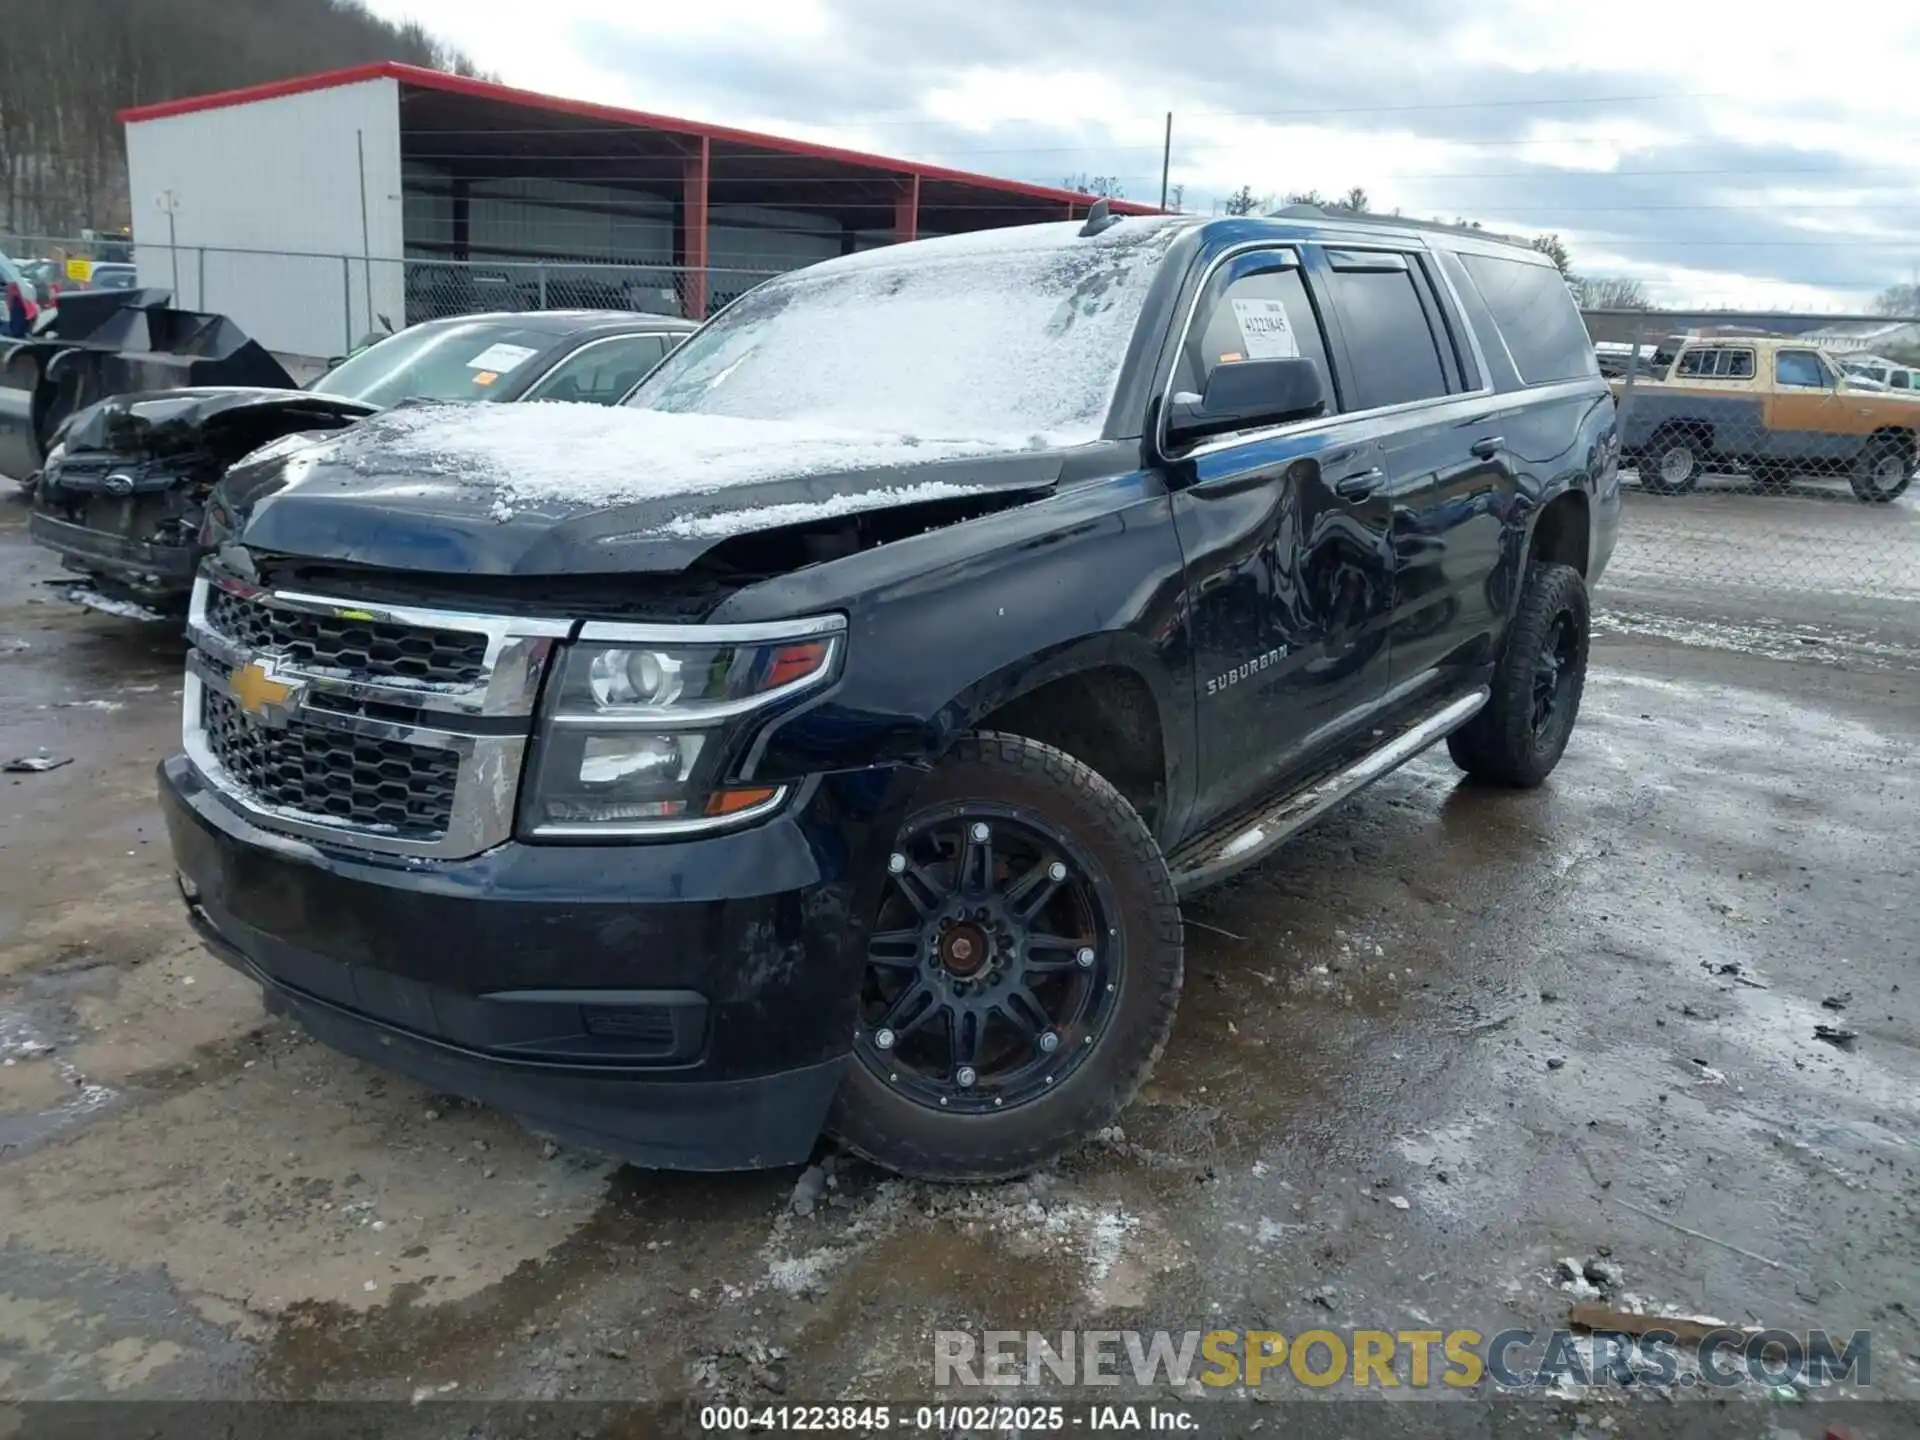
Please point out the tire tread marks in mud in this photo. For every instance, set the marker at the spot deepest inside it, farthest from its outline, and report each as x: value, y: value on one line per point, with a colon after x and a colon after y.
x: 898, y: 1133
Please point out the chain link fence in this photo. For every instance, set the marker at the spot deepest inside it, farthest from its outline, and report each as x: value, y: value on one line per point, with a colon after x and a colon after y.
x: 316, y: 306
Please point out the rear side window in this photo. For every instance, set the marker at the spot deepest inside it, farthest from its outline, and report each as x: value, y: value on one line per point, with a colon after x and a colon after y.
x: 1537, y: 318
x: 1710, y: 363
x: 1391, y: 343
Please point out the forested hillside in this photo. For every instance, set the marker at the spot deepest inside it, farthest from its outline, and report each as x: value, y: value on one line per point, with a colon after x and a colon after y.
x: 66, y: 67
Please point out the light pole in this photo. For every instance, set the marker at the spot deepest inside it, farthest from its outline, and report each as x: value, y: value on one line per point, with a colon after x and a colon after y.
x: 170, y: 202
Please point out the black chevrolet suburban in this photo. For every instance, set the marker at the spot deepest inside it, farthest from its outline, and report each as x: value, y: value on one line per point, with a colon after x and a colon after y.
x: 824, y: 740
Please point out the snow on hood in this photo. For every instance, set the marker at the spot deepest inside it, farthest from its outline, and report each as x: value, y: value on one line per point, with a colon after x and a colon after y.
x: 557, y: 456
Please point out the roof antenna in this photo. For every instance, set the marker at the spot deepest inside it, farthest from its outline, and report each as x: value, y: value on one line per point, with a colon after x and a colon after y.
x: 1100, y: 217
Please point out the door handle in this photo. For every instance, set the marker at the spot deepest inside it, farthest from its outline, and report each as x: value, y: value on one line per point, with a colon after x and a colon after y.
x: 1488, y: 446
x: 1360, y: 484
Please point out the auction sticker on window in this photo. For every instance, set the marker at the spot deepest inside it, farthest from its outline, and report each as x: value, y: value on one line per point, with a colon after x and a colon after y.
x: 1265, y: 329
x: 502, y: 357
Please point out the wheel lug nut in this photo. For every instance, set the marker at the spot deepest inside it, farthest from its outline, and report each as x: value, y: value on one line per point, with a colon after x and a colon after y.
x: 965, y: 1077
x: 1049, y: 1042
x: 896, y: 863
x: 1056, y: 871
x: 884, y: 1039
x: 979, y: 832
x: 1085, y: 957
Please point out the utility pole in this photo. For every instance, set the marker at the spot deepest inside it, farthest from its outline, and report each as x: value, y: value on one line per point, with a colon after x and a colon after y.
x: 1166, y: 160
x: 170, y: 202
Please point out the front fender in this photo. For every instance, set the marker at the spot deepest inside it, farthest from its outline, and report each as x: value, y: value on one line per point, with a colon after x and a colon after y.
x: 944, y: 628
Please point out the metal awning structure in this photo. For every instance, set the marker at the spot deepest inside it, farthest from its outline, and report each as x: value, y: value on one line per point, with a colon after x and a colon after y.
x: 478, y: 132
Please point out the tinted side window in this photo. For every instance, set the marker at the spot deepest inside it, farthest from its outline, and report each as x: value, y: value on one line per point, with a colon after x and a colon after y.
x: 1254, y: 314
x: 603, y: 372
x: 1537, y: 317
x: 1736, y: 364
x: 1800, y: 367
x: 1394, y: 353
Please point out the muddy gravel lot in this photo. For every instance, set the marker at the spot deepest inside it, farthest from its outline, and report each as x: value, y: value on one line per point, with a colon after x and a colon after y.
x: 1447, y: 1039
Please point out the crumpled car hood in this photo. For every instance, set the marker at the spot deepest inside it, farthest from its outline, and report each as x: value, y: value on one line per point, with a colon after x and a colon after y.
x: 552, y: 489
x: 157, y: 423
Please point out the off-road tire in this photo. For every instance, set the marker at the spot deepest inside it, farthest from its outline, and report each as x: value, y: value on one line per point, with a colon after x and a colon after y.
x: 1871, y: 470
x: 907, y: 1136
x: 1661, y: 450
x: 1501, y: 744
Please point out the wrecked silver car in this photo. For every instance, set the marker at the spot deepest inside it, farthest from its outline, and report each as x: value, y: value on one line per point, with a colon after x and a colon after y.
x: 122, y: 494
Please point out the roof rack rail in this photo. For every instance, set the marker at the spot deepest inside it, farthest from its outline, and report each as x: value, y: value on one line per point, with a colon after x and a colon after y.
x: 1100, y: 217
x: 1305, y: 211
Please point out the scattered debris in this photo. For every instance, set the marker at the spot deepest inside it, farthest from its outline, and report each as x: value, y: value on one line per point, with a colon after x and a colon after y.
x: 1556, y: 1063
x: 1573, y: 1279
x: 1837, y: 1002
x: 1604, y: 1273
x: 1399, y: 1202
x: 88, y: 598
x: 1323, y: 1297
x: 808, y: 1190
x: 35, y: 764
x: 1591, y: 1316
x: 1213, y: 929
x: 1836, y: 1035
x: 1700, y: 1235
x: 548, y: 1149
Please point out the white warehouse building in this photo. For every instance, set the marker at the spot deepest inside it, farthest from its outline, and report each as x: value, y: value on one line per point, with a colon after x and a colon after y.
x: 313, y: 209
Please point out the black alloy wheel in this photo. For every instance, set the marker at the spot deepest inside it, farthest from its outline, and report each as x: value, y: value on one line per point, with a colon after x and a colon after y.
x: 1533, y: 698
x: 1553, y: 672
x: 991, y: 970
x: 1021, y: 971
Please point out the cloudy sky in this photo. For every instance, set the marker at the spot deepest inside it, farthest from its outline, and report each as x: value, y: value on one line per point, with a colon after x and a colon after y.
x: 1721, y: 152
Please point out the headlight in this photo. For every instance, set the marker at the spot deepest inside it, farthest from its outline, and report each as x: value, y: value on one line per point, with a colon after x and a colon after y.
x: 639, y: 724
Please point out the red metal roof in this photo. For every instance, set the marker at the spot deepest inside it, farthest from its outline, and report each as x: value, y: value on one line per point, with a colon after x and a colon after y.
x: 425, y: 79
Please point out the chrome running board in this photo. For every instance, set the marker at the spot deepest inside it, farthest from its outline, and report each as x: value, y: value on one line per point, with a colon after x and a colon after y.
x: 1247, y: 839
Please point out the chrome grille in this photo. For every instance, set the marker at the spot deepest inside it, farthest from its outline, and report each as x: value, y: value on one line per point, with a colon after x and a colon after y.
x: 371, y: 648
x: 386, y: 787
x: 380, y: 727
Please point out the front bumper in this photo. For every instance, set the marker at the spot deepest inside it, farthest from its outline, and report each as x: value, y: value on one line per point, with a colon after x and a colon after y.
x: 684, y: 1006
x: 133, y: 568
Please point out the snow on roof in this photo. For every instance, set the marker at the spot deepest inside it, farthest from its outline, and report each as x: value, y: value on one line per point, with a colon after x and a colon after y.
x: 1010, y: 240
x: 555, y: 454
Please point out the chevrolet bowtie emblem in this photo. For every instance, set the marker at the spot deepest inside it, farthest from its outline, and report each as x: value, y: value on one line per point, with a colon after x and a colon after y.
x: 257, y: 692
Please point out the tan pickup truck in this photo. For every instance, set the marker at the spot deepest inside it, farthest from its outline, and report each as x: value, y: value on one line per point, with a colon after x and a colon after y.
x: 1769, y: 406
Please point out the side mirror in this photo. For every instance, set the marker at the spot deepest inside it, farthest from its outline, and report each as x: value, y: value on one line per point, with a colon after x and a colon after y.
x: 1244, y: 394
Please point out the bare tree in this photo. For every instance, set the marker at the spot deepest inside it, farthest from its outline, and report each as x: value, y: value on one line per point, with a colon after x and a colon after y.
x: 1614, y: 294
x: 1085, y: 184
x: 1901, y: 300
x: 1244, y: 202
x: 67, y: 69
x: 1355, y: 200
x: 1555, y: 250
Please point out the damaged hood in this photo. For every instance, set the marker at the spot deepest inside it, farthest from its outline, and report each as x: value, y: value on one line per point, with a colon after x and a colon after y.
x: 554, y: 489
x: 164, y: 422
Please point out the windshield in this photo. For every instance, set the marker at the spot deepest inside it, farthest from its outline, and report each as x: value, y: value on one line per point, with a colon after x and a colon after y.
x: 466, y: 361
x: 1013, y: 334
